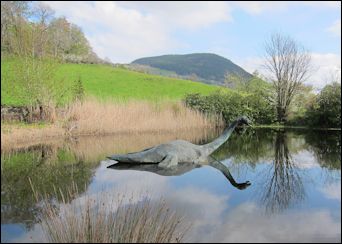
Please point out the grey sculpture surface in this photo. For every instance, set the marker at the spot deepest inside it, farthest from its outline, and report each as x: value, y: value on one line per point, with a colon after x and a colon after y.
x: 179, y: 169
x: 170, y: 154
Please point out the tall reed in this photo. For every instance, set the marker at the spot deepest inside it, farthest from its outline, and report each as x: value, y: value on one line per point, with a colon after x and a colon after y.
x: 108, y: 218
x: 94, y: 117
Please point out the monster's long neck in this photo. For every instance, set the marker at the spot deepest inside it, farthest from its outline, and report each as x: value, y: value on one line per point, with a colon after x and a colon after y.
x: 209, y: 148
x: 221, y: 167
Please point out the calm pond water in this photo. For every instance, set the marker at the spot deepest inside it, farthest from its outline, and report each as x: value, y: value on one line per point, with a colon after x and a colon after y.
x: 294, y: 196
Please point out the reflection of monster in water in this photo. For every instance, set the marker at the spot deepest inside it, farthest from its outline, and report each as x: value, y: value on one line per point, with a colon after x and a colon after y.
x: 283, y: 185
x: 179, y: 169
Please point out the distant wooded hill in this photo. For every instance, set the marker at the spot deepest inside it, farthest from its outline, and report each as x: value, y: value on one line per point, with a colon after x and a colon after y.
x: 206, y: 67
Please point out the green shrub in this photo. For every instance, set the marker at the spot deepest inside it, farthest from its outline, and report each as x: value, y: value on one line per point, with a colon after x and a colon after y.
x: 232, y: 105
x: 326, y: 110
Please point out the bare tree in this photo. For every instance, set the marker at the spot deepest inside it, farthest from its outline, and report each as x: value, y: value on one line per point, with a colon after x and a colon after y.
x: 289, y: 64
x: 60, y: 36
x: 13, y: 26
x: 43, y: 14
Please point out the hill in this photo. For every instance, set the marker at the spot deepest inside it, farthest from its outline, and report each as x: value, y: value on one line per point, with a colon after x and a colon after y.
x: 107, y: 82
x: 206, y: 67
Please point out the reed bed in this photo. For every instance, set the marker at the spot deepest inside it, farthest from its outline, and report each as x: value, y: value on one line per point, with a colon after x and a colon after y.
x: 110, y: 218
x: 16, y: 136
x: 93, y: 148
x: 93, y: 117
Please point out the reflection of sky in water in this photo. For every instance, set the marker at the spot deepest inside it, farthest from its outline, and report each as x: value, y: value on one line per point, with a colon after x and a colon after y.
x: 8, y: 231
x: 221, y: 213
x: 227, y: 214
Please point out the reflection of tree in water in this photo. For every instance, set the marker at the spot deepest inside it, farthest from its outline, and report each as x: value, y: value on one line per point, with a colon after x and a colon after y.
x: 251, y: 147
x: 280, y: 182
x: 326, y: 145
x: 47, y: 167
x: 282, y: 186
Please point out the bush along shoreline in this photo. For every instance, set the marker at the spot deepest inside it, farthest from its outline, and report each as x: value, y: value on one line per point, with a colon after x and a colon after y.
x: 323, y: 111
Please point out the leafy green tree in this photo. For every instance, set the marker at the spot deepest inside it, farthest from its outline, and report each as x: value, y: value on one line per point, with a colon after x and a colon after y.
x: 235, y: 81
x: 78, y: 90
x: 329, y: 105
x: 302, y: 101
x: 34, y: 81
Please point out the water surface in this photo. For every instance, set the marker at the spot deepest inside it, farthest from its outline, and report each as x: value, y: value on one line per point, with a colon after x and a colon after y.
x: 294, y: 196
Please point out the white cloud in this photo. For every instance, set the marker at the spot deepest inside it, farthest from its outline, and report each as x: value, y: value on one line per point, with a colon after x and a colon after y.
x: 259, y: 7
x: 124, y: 31
x: 185, y: 14
x: 305, y: 160
x: 289, y: 227
x: 251, y: 64
x: 335, y: 28
x: 324, y: 65
x: 322, y: 4
x: 121, y: 34
x: 254, y: 7
x: 332, y: 191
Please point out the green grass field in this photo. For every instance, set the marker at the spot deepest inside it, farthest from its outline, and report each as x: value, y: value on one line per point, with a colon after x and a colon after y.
x: 106, y: 82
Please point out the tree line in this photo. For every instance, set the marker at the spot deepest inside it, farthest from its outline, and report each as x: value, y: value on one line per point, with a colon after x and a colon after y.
x: 31, y: 29
x: 280, y: 96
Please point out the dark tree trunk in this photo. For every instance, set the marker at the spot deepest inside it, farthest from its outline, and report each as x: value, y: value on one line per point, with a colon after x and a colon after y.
x: 41, y: 113
x: 281, y: 114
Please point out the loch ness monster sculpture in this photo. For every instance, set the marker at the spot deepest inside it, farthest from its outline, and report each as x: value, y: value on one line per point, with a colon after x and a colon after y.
x: 179, y: 151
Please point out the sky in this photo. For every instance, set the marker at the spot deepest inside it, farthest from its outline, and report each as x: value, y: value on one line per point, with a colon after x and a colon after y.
x: 125, y: 31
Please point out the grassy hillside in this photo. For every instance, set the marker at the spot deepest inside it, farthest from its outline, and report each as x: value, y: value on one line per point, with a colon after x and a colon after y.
x: 106, y: 82
x: 205, y: 66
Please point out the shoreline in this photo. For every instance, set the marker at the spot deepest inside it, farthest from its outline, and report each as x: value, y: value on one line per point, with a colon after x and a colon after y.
x: 34, y: 134
x: 9, y: 143
x: 294, y: 127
